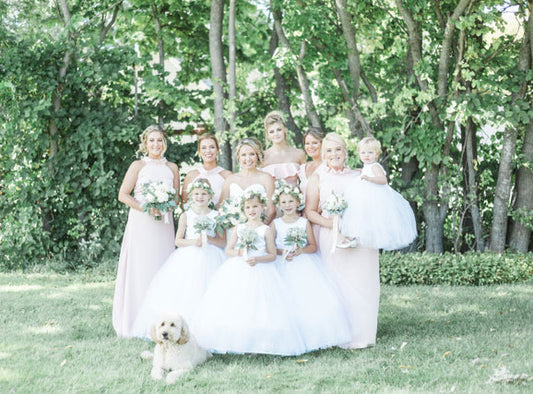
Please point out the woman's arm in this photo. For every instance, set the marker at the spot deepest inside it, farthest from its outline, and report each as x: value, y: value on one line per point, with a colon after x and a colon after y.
x: 128, y: 184
x: 312, y: 199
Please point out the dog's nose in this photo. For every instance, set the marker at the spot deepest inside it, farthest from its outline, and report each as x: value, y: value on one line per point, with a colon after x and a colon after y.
x: 165, y: 335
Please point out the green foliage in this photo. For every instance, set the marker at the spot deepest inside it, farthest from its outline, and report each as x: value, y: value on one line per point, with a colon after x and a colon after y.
x: 477, y: 269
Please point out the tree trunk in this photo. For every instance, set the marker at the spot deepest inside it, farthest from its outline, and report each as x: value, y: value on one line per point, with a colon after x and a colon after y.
x: 232, y: 67
x: 161, y: 58
x: 281, y: 90
x: 520, y: 237
x: 354, y: 65
x: 503, y: 184
x: 471, y: 195
x: 309, y: 105
x: 218, y: 70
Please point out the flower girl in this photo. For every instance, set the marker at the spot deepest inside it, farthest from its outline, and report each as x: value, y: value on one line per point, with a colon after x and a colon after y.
x: 180, y: 283
x: 246, y: 308
x: 376, y: 216
x: 319, y: 311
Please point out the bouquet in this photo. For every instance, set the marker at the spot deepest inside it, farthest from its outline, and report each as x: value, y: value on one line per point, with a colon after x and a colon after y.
x: 229, y: 215
x: 159, y: 195
x: 296, y: 238
x: 334, y: 206
x: 247, y: 238
x: 202, y: 225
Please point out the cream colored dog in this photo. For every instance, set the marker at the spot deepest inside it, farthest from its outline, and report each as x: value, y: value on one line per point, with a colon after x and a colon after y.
x: 176, y: 350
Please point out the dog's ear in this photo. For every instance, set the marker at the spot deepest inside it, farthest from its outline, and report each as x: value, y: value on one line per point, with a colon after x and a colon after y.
x: 185, y: 335
x: 153, y: 334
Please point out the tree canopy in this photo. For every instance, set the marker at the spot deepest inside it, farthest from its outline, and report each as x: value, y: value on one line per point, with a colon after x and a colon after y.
x: 444, y: 85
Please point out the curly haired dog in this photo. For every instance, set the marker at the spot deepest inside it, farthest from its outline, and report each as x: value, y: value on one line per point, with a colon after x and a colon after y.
x: 176, y: 350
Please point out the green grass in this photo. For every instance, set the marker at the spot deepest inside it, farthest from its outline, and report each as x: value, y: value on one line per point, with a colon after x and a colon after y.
x: 57, y: 337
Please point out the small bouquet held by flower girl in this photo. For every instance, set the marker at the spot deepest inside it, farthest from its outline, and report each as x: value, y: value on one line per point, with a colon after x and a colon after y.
x: 247, y: 238
x: 159, y: 195
x: 229, y: 215
x: 335, y: 206
x: 202, y: 225
x: 295, y: 238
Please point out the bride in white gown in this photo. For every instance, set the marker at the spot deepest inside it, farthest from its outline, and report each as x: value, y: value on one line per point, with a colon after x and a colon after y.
x: 249, y: 154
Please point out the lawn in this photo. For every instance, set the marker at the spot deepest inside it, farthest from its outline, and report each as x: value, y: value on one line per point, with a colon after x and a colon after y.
x: 57, y: 337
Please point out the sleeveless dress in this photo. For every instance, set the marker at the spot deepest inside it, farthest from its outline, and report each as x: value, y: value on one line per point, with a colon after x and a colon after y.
x: 319, y: 311
x: 247, y: 309
x: 355, y: 270
x: 378, y: 215
x: 145, y: 246
x: 304, y: 180
x: 181, y: 282
x: 286, y: 171
x: 215, y: 179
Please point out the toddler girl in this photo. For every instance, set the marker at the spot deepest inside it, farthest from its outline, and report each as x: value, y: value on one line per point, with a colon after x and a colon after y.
x: 180, y: 283
x: 377, y: 216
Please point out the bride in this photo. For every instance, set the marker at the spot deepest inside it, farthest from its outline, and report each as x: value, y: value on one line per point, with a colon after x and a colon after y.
x: 249, y: 154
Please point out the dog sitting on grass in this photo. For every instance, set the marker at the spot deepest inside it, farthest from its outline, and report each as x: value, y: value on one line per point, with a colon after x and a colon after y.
x: 176, y: 351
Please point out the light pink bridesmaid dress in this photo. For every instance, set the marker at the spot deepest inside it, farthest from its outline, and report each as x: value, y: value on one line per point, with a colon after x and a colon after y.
x: 146, y: 245
x: 356, y: 270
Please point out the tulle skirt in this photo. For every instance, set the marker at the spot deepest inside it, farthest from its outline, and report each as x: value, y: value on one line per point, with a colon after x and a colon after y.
x: 378, y: 216
x: 178, y: 286
x: 320, y: 313
x: 247, y: 310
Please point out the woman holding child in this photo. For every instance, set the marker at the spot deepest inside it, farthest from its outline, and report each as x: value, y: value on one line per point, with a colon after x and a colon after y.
x: 356, y: 270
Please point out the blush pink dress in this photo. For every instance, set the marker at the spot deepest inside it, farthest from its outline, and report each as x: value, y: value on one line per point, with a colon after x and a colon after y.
x: 146, y: 245
x: 356, y: 270
x: 216, y: 180
x: 286, y: 171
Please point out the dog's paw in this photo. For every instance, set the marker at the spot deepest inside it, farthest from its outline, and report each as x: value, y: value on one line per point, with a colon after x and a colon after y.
x: 174, y: 375
x: 147, y: 355
x: 157, y: 373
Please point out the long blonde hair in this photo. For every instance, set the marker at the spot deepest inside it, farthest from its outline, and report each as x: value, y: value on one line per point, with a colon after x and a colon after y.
x: 143, y: 149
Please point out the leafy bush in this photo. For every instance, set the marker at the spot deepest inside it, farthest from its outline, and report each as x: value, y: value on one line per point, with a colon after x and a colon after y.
x: 455, y: 269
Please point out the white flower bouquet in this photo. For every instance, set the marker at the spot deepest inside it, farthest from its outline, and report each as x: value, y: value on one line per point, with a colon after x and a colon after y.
x: 159, y: 195
x: 202, y: 225
x: 296, y: 237
x: 229, y: 215
x: 247, y: 239
x: 334, y: 206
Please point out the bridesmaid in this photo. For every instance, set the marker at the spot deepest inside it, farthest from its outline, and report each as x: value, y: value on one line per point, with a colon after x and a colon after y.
x: 209, y: 169
x: 313, y: 145
x: 147, y: 242
x: 355, y: 270
x: 282, y: 161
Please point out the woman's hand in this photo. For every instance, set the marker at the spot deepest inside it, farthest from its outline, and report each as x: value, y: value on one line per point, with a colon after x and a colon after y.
x: 251, y: 261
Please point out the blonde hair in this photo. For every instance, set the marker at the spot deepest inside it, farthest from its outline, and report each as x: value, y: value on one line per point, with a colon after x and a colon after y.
x: 334, y: 137
x: 143, y: 149
x: 370, y: 142
x: 252, y: 143
x: 272, y: 118
x: 207, y: 136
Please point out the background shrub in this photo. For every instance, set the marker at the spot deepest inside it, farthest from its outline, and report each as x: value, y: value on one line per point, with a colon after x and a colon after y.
x: 455, y: 269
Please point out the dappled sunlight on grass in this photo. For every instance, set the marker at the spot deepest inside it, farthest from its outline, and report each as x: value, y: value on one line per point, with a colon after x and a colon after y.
x: 46, y: 329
